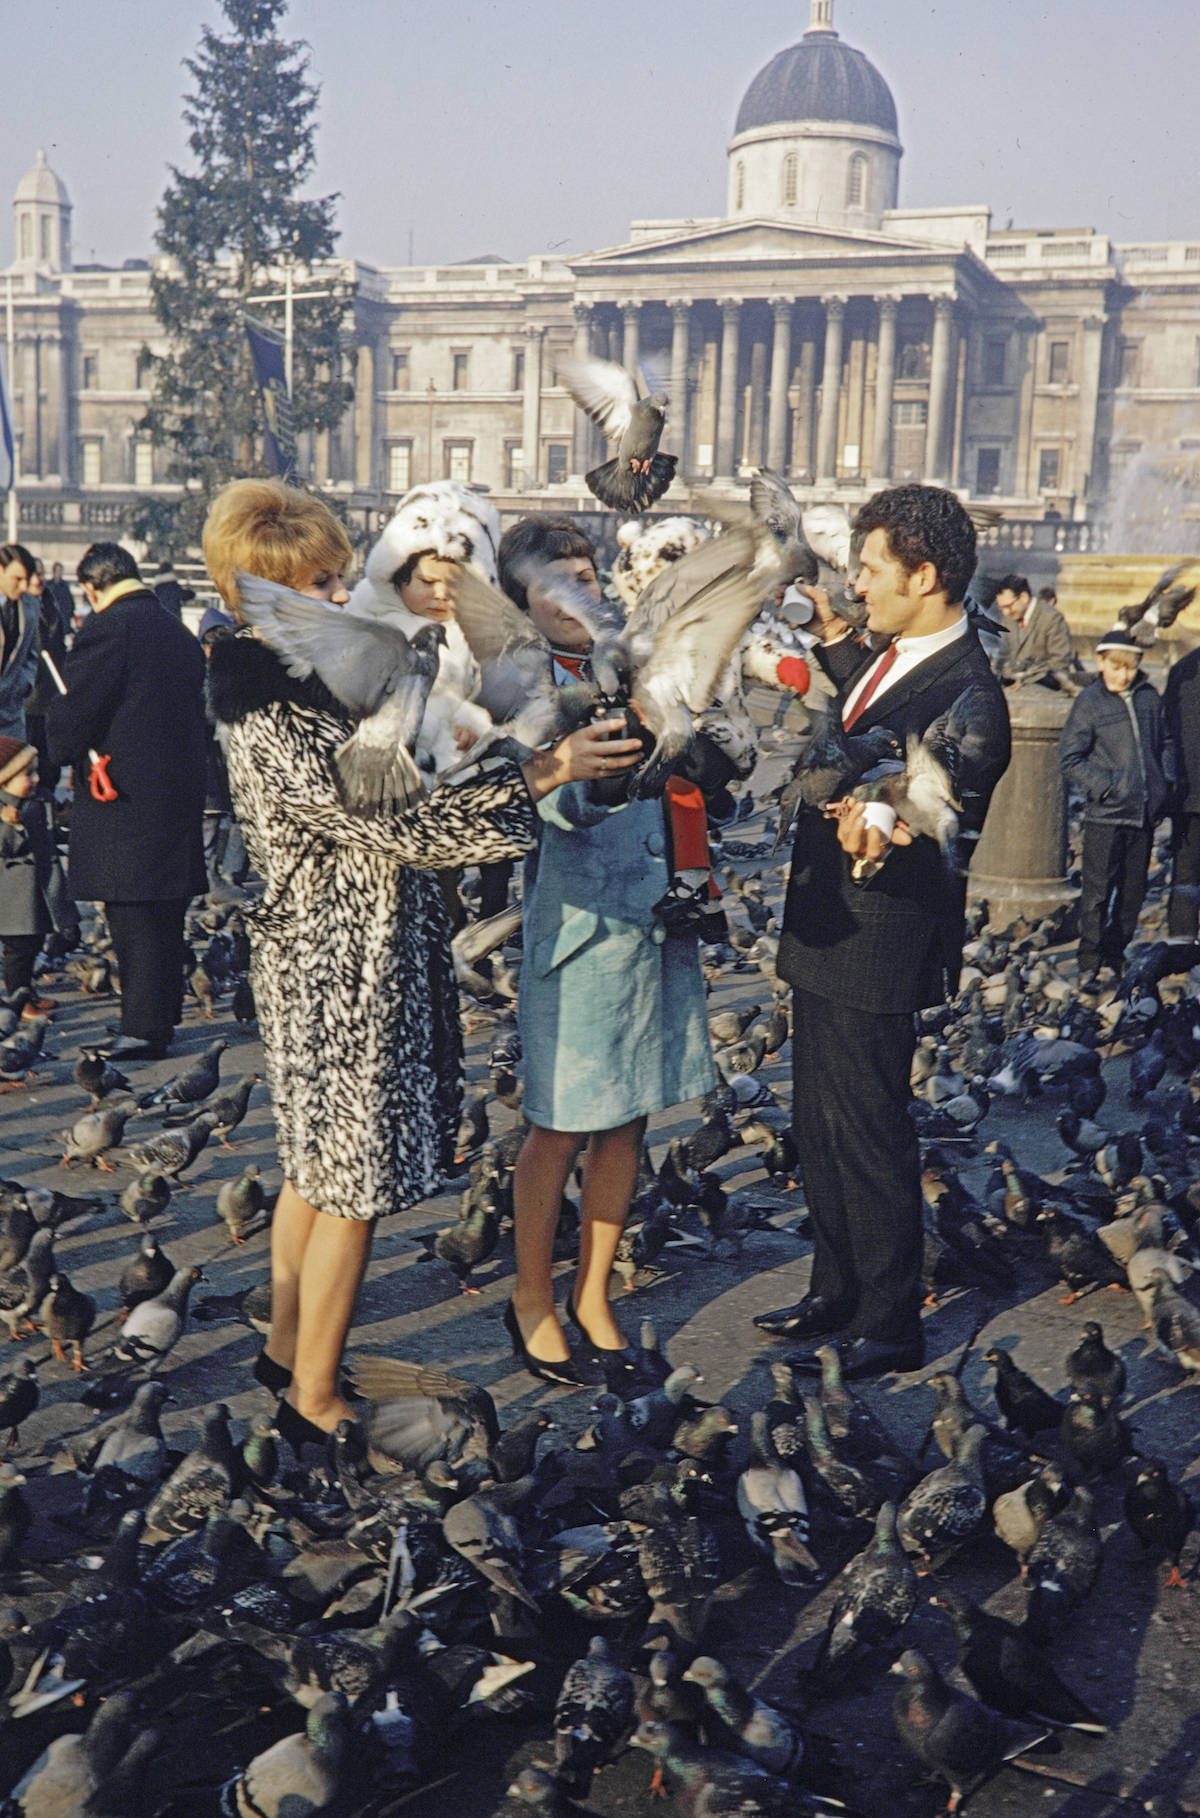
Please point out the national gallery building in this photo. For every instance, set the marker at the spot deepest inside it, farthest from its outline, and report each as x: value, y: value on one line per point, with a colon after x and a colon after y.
x: 817, y: 326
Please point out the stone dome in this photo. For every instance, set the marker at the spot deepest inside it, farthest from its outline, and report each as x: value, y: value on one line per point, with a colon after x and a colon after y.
x: 41, y: 185
x: 818, y: 79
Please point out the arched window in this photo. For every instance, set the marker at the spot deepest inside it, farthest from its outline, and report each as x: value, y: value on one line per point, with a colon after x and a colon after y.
x: 856, y: 182
x: 739, y: 185
x: 791, y: 180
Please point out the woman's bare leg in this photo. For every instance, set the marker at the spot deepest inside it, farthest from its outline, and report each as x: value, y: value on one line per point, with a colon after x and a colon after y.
x: 609, y: 1176
x: 335, y: 1259
x: 543, y: 1168
x: 290, y: 1227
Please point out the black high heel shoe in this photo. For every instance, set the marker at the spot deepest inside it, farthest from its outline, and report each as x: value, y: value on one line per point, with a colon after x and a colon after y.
x: 271, y: 1375
x: 299, y: 1433
x: 620, y: 1357
x: 567, y: 1375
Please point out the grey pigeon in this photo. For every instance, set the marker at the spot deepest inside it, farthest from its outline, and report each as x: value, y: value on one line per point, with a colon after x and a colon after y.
x: 952, y: 1735
x: 638, y: 474
x: 66, y: 1775
x: 301, y: 1774
x: 774, y: 1509
x: 738, y: 1721
x: 96, y: 1076
x: 146, y: 1197
x: 483, y: 1529
x: 591, y: 1714
x: 24, y: 1288
x: 174, y: 1151
x: 202, y: 1483
x: 154, y: 1326
x: 874, y: 1597
x: 145, y: 1275
x: 93, y: 1135
x: 240, y: 1201
x: 948, y: 1506
x: 131, y: 1442
x: 1062, y: 1566
x: 199, y: 1082
x: 19, y: 1396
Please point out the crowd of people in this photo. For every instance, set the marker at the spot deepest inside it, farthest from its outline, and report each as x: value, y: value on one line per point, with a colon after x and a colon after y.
x: 225, y: 753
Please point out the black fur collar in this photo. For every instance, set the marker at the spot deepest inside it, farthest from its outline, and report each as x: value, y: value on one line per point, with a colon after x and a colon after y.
x: 245, y: 675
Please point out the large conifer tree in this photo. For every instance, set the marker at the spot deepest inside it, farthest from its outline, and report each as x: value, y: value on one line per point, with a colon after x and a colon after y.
x: 225, y: 227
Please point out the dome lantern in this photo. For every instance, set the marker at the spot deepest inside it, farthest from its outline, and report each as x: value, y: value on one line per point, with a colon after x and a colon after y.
x: 42, y: 220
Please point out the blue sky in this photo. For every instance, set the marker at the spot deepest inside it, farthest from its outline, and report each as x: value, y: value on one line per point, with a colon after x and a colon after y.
x: 474, y: 126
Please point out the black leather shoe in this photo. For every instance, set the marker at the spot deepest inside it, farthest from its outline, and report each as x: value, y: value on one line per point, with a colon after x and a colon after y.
x: 565, y: 1375
x: 133, y: 1048
x: 273, y: 1376
x: 863, y: 1358
x: 811, y: 1317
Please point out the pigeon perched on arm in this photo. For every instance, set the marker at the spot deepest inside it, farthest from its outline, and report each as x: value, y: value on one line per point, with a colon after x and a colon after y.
x: 638, y: 474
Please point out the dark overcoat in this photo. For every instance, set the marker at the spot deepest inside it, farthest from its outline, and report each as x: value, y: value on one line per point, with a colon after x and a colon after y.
x: 1181, y: 708
x: 895, y: 943
x: 135, y: 691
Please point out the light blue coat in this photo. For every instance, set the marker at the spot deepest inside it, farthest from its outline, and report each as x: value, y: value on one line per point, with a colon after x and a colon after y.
x: 613, y: 1015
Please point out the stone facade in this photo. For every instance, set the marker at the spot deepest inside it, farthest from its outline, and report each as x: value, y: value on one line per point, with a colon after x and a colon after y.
x: 815, y: 327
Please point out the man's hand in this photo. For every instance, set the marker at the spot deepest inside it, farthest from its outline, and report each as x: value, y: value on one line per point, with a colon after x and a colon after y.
x: 586, y: 756
x: 859, y: 840
x: 465, y: 737
x: 10, y: 815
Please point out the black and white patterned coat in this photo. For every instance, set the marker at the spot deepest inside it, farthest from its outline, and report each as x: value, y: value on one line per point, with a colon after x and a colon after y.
x: 351, y: 969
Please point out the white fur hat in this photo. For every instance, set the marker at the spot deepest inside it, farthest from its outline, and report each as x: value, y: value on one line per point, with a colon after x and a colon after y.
x: 444, y: 518
x: 646, y: 549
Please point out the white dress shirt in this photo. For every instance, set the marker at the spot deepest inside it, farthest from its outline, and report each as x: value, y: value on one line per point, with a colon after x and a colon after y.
x: 909, y: 652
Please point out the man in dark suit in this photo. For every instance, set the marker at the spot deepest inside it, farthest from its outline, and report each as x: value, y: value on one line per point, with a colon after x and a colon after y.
x: 18, y: 637
x: 863, y: 956
x: 135, y: 681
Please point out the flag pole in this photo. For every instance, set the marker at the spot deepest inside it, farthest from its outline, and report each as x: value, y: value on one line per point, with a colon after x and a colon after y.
x: 10, y: 364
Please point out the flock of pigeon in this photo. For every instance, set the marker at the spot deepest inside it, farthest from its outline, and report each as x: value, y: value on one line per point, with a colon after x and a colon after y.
x: 453, y: 1613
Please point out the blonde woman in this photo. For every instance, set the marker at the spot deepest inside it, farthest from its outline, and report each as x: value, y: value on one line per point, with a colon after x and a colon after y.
x: 351, y: 970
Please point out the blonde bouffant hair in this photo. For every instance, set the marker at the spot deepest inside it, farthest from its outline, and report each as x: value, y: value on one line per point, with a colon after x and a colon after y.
x: 275, y: 531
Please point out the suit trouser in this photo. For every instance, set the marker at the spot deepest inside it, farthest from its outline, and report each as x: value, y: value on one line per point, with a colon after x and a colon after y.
x: 860, y: 1162
x: 148, y: 938
x: 1112, y: 889
x: 1185, y: 876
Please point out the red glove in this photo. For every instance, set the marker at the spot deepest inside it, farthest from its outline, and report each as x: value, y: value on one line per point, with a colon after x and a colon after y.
x: 794, y: 673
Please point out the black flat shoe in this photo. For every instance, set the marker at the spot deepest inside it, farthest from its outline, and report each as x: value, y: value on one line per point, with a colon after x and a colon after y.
x: 133, y: 1048
x: 270, y: 1374
x: 812, y: 1317
x: 567, y: 1375
x: 299, y: 1432
x: 863, y: 1358
x: 610, y: 1355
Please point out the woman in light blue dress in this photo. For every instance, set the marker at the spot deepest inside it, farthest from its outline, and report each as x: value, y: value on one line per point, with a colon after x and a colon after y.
x: 613, y: 1016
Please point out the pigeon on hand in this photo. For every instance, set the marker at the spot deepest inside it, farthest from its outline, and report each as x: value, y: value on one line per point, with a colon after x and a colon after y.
x: 821, y: 533
x: 372, y: 669
x: 638, y: 474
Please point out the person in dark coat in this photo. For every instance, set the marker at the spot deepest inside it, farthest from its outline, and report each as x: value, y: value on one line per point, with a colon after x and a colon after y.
x: 1115, y: 753
x: 18, y: 637
x: 1181, y: 705
x: 59, y: 590
x: 172, y: 595
x: 52, y: 643
x: 135, y: 680
x: 862, y: 957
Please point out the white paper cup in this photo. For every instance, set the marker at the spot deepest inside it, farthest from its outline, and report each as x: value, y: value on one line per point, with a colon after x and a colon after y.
x: 881, y: 815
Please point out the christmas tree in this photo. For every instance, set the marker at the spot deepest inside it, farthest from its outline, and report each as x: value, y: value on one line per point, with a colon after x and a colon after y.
x: 226, y: 229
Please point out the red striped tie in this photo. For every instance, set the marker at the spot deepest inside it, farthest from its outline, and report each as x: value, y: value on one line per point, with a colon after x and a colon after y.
x: 864, y: 700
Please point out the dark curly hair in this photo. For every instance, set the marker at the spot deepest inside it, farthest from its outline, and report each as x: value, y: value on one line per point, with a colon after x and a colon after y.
x: 543, y: 536
x: 923, y: 524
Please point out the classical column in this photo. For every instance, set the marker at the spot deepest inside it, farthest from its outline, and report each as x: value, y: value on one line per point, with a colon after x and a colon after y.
x: 531, y: 408
x: 724, y: 456
x: 1028, y: 337
x: 752, y: 435
x: 781, y: 372
x: 831, y: 384
x: 677, y: 421
x: 581, y: 445
x: 940, y: 373
x: 803, y: 405
x: 1089, y: 397
x: 364, y: 416
x: 629, y: 335
x: 885, y: 387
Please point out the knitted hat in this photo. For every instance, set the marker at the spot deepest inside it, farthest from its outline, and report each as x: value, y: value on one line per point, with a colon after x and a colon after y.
x: 1120, y: 639
x: 645, y: 549
x: 445, y: 519
x: 15, y: 756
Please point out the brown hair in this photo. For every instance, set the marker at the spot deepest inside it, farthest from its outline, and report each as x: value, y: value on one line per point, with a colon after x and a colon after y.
x: 277, y: 532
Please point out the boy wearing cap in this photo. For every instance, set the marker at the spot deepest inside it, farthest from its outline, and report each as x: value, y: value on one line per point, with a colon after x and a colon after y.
x: 33, y: 898
x: 1115, y: 752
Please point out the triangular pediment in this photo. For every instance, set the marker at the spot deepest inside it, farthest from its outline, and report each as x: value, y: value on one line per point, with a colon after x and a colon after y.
x: 746, y: 241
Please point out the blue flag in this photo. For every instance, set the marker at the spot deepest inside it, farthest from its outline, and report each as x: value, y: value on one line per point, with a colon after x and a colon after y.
x: 8, y: 462
x: 279, y: 433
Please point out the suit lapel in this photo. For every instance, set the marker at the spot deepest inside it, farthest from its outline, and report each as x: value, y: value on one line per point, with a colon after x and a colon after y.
x: 915, y: 682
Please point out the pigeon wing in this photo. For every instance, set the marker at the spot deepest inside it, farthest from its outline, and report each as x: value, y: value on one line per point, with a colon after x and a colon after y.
x: 605, y: 391
x: 360, y: 660
x: 775, y: 505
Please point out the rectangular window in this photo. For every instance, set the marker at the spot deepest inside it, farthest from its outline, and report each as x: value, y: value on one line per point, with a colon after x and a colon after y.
x: 1131, y: 360
x: 987, y: 470
x: 90, y: 372
x: 995, y: 360
x: 518, y: 369
x: 456, y: 461
x: 514, y: 466
x: 458, y: 372
x: 558, y: 457
x: 399, y: 466
x: 400, y: 374
x: 91, y: 463
x: 143, y: 463
x: 1048, y: 467
x: 1059, y: 372
x: 911, y: 414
